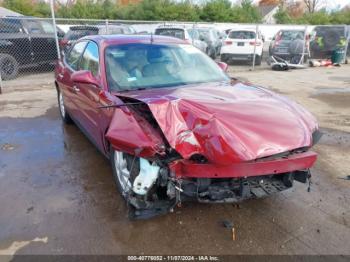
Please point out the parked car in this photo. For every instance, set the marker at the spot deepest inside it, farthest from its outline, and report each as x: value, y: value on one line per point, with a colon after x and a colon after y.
x: 78, y: 31
x: 189, y: 35
x: 25, y: 42
x: 214, y: 43
x: 287, y: 44
x: 241, y: 44
x: 326, y: 39
x: 196, y: 41
x: 176, y: 128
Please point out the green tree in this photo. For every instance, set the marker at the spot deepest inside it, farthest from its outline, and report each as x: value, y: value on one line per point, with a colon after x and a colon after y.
x: 25, y: 7
x: 217, y: 10
x: 282, y: 16
x: 316, y: 18
x: 247, y: 12
x: 340, y: 17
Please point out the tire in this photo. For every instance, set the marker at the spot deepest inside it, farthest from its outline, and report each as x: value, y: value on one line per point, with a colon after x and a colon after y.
x: 223, y: 59
x: 257, y: 60
x: 62, y: 109
x: 8, y: 67
x: 125, y: 168
x: 213, y: 54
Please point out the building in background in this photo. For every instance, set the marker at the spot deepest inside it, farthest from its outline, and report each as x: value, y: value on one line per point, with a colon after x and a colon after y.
x: 267, y: 9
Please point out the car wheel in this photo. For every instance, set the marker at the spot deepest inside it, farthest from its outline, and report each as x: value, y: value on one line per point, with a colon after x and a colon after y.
x: 62, y: 108
x: 8, y: 67
x: 257, y: 60
x: 125, y: 168
x: 223, y: 59
x: 213, y: 54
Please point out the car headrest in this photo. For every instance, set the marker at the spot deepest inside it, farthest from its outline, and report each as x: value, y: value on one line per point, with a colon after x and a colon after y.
x: 155, y: 55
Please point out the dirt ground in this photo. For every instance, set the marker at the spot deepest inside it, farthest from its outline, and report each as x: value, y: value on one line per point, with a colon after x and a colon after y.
x: 57, y: 195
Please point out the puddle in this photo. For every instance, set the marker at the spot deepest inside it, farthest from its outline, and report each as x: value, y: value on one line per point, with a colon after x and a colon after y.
x: 17, y: 245
x: 333, y: 137
x: 331, y: 90
x: 334, y: 96
x: 340, y: 78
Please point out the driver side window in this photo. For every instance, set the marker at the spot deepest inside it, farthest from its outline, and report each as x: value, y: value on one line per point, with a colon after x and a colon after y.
x: 90, y: 59
x: 75, y: 54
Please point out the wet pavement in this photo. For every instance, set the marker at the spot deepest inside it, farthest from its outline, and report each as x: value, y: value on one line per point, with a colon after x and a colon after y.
x: 57, y: 194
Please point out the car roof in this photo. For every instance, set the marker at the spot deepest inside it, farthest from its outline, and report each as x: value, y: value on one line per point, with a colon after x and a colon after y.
x: 292, y: 30
x: 243, y: 29
x: 133, y: 39
x: 94, y: 27
x: 171, y: 27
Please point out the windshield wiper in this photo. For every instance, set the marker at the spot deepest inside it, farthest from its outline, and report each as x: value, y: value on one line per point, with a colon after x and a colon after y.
x: 120, y: 105
x: 128, y: 90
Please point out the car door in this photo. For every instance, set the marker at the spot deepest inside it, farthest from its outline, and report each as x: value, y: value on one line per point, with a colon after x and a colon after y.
x: 49, y: 40
x: 14, y: 41
x: 88, y: 96
x: 43, y: 44
x: 64, y: 71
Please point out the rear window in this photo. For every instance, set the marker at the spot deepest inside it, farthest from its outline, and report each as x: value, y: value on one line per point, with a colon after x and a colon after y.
x: 241, y: 35
x: 178, y: 33
x: 292, y: 35
x: 76, y: 34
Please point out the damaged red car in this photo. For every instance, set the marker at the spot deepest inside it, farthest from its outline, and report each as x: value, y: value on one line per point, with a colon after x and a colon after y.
x: 176, y: 128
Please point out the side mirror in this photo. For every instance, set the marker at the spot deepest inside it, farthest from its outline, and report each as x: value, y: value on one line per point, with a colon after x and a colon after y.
x: 223, y: 66
x: 84, y: 77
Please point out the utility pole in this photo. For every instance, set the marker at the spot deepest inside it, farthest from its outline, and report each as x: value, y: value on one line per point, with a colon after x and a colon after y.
x: 55, y: 29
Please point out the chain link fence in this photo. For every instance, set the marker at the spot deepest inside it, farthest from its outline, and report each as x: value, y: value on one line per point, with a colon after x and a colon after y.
x: 31, y: 45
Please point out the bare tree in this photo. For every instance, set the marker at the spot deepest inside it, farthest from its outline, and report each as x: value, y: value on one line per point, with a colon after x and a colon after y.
x: 312, y: 5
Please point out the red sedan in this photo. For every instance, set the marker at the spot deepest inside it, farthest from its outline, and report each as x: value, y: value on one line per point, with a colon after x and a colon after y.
x: 176, y: 128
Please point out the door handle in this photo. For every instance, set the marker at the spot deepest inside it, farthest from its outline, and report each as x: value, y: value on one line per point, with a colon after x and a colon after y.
x: 76, y: 89
x: 60, y: 75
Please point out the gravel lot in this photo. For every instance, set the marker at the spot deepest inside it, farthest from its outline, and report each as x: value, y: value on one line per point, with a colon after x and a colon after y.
x: 57, y: 195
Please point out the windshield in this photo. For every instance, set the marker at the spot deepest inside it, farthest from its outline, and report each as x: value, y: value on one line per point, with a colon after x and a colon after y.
x: 241, y: 35
x: 292, y: 35
x: 139, y: 66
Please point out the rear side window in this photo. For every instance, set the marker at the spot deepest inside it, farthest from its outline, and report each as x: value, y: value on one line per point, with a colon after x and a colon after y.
x: 74, y: 55
x: 177, y: 33
x: 47, y: 27
x: 34, y: 27
x: 207, y: 35
x: 241, y: 35
x: 193, y: 33
x: 76, y: 34
x: 90, y: 59
x: 10, y: 26
x: 112, y: 30
x: 115, y: 30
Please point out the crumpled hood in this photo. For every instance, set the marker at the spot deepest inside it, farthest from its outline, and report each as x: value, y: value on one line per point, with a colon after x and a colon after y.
x: 228, y: 123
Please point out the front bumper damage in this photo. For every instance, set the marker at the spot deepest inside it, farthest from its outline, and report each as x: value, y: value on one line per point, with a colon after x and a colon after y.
x: 211, y: 144
x: 183, y: 180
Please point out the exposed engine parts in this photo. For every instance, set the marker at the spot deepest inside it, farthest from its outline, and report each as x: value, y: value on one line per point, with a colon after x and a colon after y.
x: 156, y: 191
